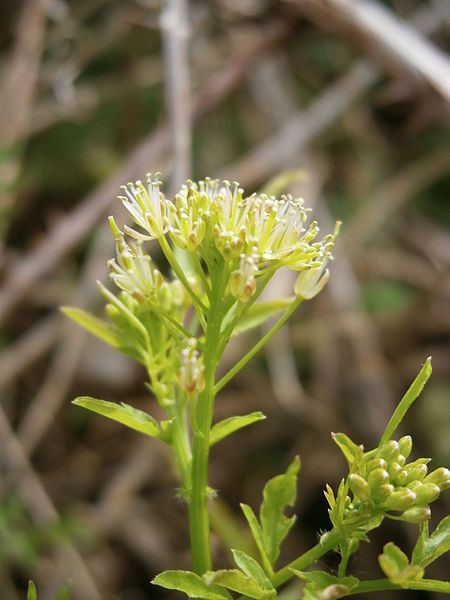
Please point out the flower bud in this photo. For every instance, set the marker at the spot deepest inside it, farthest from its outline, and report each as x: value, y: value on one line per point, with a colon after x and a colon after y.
x: 414, y: 485
x: 243, y: 281
x: 400, y: 499
x: 382, y: 492
x: 405, y: 445
x: 179, y: 295
x: 401, y: 478
x: 401, y: 460
x: 359, y: 487
x: 389, y: 451
x: 417, y: 514
x: 416, y: 472
x: 192, y: 370
x: 112, y: 312
x: 441, y: 477
x: 377, y: 477
x: 165, y: 296
x: 310, y: 282
x: 427, y: 493
x: 394, y: 469
x: 376, y: 463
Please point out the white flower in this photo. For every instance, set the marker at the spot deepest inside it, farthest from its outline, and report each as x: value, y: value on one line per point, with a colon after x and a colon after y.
x: 133, y: 271
x: 310, y: 283
x: 148, y: 207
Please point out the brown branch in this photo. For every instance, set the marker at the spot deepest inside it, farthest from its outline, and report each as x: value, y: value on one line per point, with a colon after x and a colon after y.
x: 174, y: 26
x: 387, y: 37
x: 302, y: 127
x: 21, y: 78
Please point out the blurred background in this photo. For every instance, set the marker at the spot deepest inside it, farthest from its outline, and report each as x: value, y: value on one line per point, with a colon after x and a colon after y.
x: 95, y: 93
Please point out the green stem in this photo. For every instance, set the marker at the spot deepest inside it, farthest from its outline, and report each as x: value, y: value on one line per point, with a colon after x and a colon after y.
x: 257, y: 347
x: 181, y: 444
x: 172, y: 260
x: 331, y: 541
x: 383, y: 585
x: 198, y: 501
x: 180, y: 438
x: 242, y: 309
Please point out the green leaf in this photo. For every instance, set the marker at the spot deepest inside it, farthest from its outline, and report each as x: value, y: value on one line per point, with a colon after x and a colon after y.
x: 189, y: 583
x: 349, y: 449
x: 395, y: 565
x: 228, y: 426
x: 412, y: 394
x: 256, y: 530
x: 122, y: 413
x: 279, y: 493
x: 236, y: 581
x: 32, y: 592
x: 252, y: 569
x: 94, y: 325
x: 260, y: 312
x: 429, y: 548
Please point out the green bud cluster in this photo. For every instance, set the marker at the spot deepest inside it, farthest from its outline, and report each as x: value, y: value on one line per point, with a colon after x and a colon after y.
x: 382, y: 483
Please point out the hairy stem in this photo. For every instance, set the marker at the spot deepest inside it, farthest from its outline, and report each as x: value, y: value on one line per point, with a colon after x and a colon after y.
x: 331, y: 542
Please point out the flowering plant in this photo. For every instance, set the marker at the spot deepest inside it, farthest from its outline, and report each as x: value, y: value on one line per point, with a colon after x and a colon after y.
x: 222, y: 249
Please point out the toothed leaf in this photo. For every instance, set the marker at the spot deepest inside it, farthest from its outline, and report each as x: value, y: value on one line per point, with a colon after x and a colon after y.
x: 429, y: 548
x: 279, y: 493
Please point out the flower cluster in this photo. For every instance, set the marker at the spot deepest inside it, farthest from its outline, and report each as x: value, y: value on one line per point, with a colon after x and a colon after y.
x: 133, y: 272
x: 381, y: 483
x: 213, y: 218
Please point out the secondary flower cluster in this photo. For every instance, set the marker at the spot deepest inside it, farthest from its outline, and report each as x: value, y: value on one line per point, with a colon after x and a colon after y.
x: 381, y: 483
x: 134, y: 273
